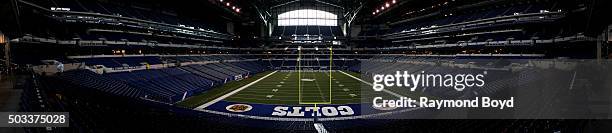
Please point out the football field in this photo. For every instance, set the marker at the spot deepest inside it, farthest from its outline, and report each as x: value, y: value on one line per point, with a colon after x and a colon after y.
x: 283, y: 88
x: 316, y: 87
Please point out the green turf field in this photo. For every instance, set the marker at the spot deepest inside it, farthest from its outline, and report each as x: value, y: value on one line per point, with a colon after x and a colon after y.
x: 282, y: 88
x: 202, y: 98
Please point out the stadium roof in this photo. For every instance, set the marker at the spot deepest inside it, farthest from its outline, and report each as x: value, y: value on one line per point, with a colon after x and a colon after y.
x: 335, y: 3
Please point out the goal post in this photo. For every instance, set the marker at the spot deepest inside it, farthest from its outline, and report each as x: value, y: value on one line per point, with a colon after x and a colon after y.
x: 308, y: 80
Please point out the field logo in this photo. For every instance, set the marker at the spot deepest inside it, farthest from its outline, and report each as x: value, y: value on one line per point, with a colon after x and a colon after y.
x: 239, y: 108
x: 238, y: 77
x: 312, y: 111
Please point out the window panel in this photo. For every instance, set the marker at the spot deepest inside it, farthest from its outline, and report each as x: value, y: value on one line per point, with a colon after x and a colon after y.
x: 307, y: 17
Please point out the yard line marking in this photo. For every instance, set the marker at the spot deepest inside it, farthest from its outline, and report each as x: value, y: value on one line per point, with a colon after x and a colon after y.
x: 572, y: 83
x: 201, y: 107
x: 319, y: 88
x: 384, y: 90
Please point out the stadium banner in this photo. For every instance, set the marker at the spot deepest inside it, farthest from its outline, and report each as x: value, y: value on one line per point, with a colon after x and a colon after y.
x: 486, y: 89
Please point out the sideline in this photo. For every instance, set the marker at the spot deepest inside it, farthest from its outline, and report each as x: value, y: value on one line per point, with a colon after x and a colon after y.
x: 201, y: 107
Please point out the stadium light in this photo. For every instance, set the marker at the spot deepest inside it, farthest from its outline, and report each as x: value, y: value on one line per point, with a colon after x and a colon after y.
x: 2, y: 39
x: 228, y: 4
x: 384, y: 6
